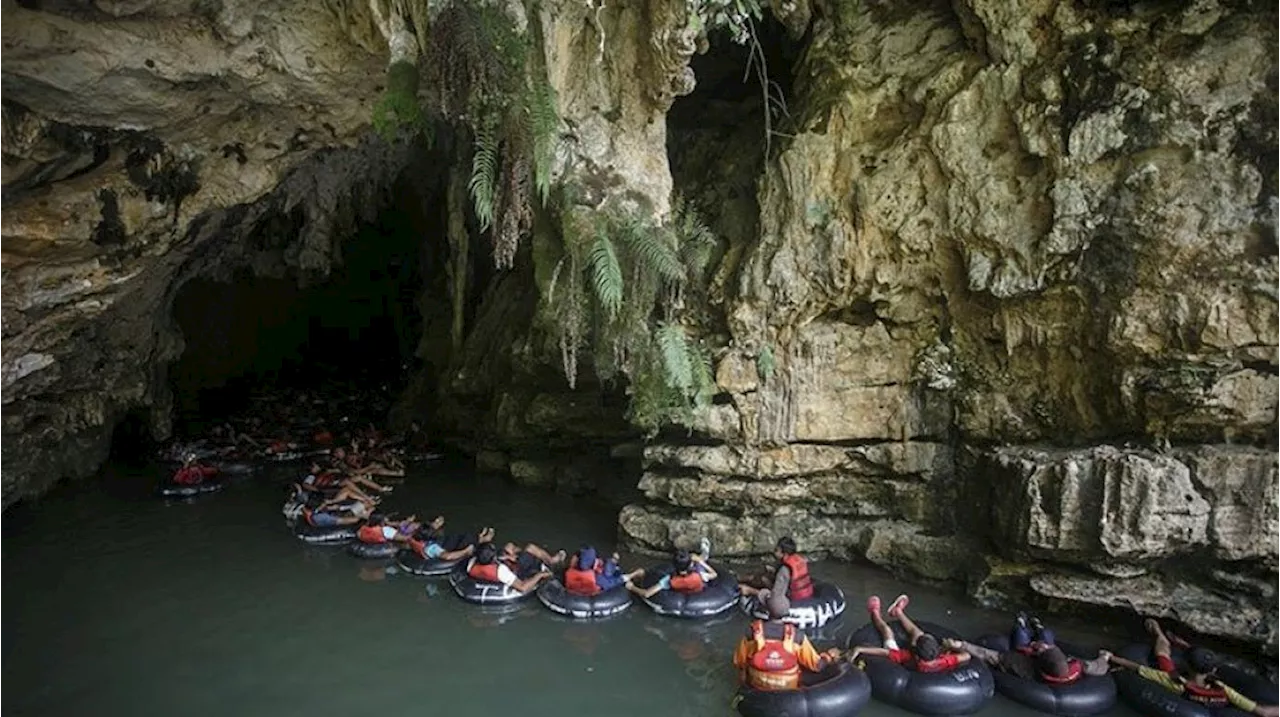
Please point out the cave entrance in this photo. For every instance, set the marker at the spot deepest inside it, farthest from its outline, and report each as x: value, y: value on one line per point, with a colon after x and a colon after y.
x: 254, y: 341
x: 717, y: 135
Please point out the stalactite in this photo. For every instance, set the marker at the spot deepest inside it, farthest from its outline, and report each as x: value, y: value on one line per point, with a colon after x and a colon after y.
x: 459, y: 253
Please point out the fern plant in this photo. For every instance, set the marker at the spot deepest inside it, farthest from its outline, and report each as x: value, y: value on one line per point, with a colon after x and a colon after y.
x: 487, y: 75
x: 616, y: 289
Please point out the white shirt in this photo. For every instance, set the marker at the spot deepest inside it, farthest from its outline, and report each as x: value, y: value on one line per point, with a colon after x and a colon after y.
x: 505, y: 575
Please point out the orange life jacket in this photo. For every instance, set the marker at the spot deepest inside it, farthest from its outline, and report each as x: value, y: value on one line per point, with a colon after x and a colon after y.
x: 1213, y: 696
x: 801, y: 586
x: 371, y: 534
x: 774, y: 665
x: 487, y: 573
x: 1074, y: 671
x: 581, y: 581
x: 690, y: 582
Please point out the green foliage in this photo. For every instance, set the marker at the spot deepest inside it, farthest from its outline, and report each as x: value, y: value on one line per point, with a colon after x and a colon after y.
x: 616, y: 290
x: 491, y: 77
x: 765, y: 364
x: 485, y: 162
x: 398, y: 107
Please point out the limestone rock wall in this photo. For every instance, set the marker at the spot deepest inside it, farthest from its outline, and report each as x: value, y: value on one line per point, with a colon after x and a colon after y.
x: 1010, y: 317
x: 146, y: 143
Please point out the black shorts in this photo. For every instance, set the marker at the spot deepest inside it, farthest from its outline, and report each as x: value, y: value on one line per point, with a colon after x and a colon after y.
x: 527, y: 566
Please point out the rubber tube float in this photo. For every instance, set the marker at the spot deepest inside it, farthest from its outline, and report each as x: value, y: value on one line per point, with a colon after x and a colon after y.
x: 1150, y: 698
x: 170, y: 489
x: 333, y: 535
x: 838, y: 690
x: 1089, y: 695
x: 715, y: 597
x: 606, y: 603
x: 373, y: 551
x: 826, y: 605
x: 483, y: 592
x: 411, y: 562
x: 961, y: 691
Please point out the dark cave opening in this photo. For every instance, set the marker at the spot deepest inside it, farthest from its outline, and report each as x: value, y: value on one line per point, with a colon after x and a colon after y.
x: 718, y: 136
x: 256, y: 340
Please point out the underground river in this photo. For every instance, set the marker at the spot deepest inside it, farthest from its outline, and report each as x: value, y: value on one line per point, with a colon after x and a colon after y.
x: 116, y: 603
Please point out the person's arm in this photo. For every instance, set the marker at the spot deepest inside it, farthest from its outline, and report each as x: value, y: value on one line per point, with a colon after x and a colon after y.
x: 709, y: 573
x: 812, y: 660
x: 960, y: 658
x: 782, y: 581
x: 859, y: 650
x: 987, y: 655
x: 1096, y: 667
x: 457, y: 554
x: 1150, y: 673
x: 530, y: 583
x: 743, y: 653
x: 1119, y: 661
x: 1244, y: 704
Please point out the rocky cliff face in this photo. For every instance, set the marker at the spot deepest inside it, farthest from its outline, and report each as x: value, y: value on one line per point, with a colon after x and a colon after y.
x: 1006, y: 233
x: 998, y: 306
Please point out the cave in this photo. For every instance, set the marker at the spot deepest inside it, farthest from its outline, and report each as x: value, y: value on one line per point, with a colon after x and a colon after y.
x: 250, y: 338
x: 718, y: 136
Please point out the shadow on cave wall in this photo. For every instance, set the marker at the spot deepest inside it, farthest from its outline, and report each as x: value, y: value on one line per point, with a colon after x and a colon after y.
x: 259, y: 335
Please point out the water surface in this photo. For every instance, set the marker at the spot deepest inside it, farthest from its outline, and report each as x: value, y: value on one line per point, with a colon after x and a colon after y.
x: 116, y: 603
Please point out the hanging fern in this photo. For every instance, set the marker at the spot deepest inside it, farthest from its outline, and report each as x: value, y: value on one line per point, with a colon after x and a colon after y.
x: 674, y: 345
x: 545, y: 122
x: 606, y: 275
x: 484, y: 174
x: 635, y: 270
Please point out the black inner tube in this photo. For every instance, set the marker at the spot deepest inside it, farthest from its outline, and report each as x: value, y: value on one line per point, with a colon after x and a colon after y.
x: 1089, y: 695
x: 716, y: 596
x: 961, y: 691
x: 837, y: 690
x: 607, y: 603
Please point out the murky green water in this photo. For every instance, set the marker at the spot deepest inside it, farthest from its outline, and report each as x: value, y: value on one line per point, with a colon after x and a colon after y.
x: 115, y: 603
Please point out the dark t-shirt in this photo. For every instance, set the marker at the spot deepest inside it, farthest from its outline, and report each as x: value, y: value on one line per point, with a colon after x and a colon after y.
x: 1018, y: 664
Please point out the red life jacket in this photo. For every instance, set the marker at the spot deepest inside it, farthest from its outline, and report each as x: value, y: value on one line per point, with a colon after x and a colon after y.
x: 1213, y: 696
x: 690, y: 582
x: 192, y: 475
x: 371, y: 534
x: 323, y: 438
x: 1074, y: 671
x: 581, y: 581
x: 486, y: 573
x: 941, y: 663
x: 774, y: 665
x: 801, y: 586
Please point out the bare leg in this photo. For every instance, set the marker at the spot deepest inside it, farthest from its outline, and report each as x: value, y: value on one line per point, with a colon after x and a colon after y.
x: 913, y: 632
x: 1161, y: 646
x: 540, y: 553
x: 886, y: 633
x: 365, y: 482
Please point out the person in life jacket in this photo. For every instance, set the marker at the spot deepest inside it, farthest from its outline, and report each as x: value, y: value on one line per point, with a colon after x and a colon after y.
x: 1200, y: 684
x: 432, y: 543
x: 774, y: 654
x: 924, y: 653
x: 489, y: 566
x: 790, y: 577
x: 1032, y: 655
x: 690, y: 573
x: 191, y: 472
x: 328, y: 518
x: 588, y: 575
x: 379, y: 529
